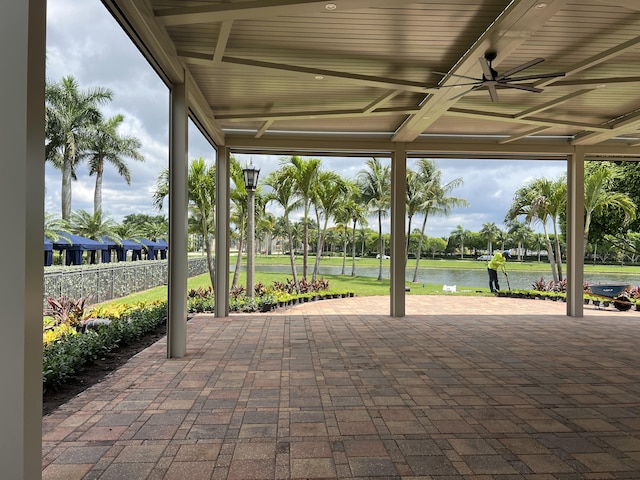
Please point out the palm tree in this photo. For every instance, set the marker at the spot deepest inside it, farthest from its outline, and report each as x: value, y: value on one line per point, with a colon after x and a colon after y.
x: 284, y: 193
x: 94, y: 227
x: 55, y: 228
x: 357, y: 212
x: 461, y: 235
x: 598, y: 196
x: 540, y: 200
x: 375, y: 185
x: 490, y: 232
x: 328, y: 197
x: 70, y: 114
x: 266, y: 226
x: 105, y: 144
x: 201, y: 184
x: 304, y: 173
x: 437, y: 199
x: 415, y: 199
x: 521, y: 233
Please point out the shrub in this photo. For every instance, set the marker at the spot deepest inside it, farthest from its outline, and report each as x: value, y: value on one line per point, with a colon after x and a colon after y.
x: 68, y: 354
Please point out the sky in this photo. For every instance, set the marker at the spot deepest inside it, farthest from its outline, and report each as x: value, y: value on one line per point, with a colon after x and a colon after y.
x: 84, y: 41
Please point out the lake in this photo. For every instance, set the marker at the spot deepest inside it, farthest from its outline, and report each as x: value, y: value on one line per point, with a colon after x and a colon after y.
x: 468, y: 278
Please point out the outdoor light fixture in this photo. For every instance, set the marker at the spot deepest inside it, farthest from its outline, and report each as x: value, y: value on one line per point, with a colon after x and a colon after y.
x: 250, y: 174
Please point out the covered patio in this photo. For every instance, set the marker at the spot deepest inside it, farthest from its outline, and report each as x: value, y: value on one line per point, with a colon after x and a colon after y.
x: 333, y: 390
x: 345, y: 78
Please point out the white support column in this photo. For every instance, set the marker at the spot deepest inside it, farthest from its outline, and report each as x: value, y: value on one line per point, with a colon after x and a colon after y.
x: 221, y: 291
x: 178, y: 232
x: 22, y: 82
x: 575, y: 233
x: 398, y: 213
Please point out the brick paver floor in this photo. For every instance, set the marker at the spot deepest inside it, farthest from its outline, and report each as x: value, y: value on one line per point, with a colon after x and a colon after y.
x: 460, y: 388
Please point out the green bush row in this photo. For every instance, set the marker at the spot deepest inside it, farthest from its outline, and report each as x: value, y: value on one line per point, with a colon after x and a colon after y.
x: 65, y: 357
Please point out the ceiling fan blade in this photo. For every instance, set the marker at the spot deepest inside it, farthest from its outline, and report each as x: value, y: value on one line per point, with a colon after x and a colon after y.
x: 528, y: 88
x: 486, y: 68
x: 464, y: 93
x: 519, y: 68
x: 458, y: 85
x: 493, y: 92
x: 455, y: 75
x: 534, y: 77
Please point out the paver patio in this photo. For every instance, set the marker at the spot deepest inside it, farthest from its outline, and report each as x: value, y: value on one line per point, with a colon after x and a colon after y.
x: 460, y: 388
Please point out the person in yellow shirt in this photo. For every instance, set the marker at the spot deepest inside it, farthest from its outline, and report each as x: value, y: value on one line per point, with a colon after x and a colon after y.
x: 497, y: 262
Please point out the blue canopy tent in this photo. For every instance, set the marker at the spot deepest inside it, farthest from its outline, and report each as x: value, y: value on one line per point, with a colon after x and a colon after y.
x: 76, y: 248
x: 121, y: 250
x: 162, y: 248
x: 153, y: 248
x: 48, y: 252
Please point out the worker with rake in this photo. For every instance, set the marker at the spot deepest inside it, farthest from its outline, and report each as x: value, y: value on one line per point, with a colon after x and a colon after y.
x: 497, y: 262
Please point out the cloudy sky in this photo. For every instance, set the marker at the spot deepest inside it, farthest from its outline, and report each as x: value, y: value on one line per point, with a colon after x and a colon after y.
x: 84, y: 41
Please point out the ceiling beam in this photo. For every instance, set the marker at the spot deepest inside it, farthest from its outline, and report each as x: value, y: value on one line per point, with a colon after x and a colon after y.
x: 594, y: 60
x: 522, y: 135
x: 503, y: 117
x: 552, y: 103
x: 371, y: 80
x: 628, y: 124
x: 306, y: 114
x: 262, y: 9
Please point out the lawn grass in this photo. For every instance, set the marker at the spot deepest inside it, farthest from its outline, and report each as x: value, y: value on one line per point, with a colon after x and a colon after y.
x: 367, y: 286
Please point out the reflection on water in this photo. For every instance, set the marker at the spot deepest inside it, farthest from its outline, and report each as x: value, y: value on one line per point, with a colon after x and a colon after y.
x: 470, y: 278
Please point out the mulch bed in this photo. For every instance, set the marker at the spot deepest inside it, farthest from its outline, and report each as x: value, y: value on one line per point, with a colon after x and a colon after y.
x: 96, y: 372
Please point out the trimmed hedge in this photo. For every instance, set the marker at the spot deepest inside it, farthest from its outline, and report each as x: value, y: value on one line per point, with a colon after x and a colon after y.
x: 69, y: 354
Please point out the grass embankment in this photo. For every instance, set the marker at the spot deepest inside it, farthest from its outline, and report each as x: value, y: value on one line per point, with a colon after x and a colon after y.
x: 367, y: 286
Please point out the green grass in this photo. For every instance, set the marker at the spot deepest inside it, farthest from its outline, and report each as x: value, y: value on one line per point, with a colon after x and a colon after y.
x: 367, y: 286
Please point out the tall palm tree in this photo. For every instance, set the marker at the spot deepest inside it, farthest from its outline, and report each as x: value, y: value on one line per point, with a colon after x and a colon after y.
x: 415, y: 200
x: 357, y: 212
x: 284, y: 193
x: 266, y: 226
x: 375, y: 185
x: 331, y: 192
x: 437, y: 199
x: 70, y: 113
x: 599, y: 196
x: 540, y: 200
x: 460, y: 234
x: 201, y: 187
x: 490, y: 232
x: 105, y: 144
x: 305, y: 177
x: 520, y: 232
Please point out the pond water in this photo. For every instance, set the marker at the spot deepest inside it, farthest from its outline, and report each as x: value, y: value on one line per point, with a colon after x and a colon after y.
x: 469, y: 278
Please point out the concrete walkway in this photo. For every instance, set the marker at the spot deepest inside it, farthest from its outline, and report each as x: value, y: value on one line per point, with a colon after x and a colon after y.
x: 460, y: 388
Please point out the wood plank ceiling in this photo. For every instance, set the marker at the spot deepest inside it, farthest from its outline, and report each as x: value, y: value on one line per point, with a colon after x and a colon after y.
x: 391, y: 69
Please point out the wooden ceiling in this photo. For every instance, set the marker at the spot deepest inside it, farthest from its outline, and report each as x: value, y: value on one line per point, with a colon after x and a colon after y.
x: 382, y: 71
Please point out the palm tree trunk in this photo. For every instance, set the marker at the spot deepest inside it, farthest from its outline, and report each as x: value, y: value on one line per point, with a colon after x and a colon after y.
x: 66, y: 189
x: 97, y: 192
x: 380, y: 245
x: 419, y: 252
x: 406, y: 250
x: 236, y: 270
x: 353, y: 250
x: 345, y: 243
x: 558, y: 251
x: 210, y: 258
x: 550, y: 254
x: 292, y: 254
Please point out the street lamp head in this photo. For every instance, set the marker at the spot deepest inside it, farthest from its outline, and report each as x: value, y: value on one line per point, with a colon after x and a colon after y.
x: 250, y: 174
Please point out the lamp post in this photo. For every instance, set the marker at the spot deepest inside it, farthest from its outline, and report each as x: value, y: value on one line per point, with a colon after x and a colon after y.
x: 250, y: 175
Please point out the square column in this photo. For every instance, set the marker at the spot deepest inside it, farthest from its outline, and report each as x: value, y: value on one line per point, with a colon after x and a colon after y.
x: 221, y: 288
x: 178, y: 228
x: 575, y: 233
x: 22, y: 84
x: 398, y: 214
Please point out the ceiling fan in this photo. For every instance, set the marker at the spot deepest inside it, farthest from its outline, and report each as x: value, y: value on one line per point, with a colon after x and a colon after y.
x: 492, y: 80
